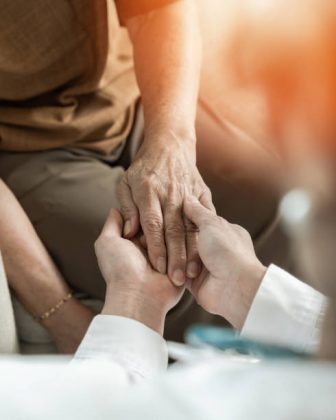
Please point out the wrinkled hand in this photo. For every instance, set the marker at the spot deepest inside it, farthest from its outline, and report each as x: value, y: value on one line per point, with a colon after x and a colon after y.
x: 134, y: 288
x: 232, y: 273
x: 151, y: 196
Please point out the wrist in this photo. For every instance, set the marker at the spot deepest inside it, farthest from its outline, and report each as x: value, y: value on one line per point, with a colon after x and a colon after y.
x: 168, y: 146
x: 248, y: 285
x: 137, y: 306
x: 170, y: 134
x: 68, y: 325
x: 68, y: 314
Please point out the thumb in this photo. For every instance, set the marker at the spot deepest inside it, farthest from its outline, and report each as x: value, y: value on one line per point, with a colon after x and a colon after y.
x: 194, y: 285
x: 128, y: 209
x: 195, y: 212
x: 114, y: 224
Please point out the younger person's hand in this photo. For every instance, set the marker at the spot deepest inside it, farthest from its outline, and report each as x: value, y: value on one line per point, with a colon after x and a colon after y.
x: 232, y: 273
x: 134, y: 289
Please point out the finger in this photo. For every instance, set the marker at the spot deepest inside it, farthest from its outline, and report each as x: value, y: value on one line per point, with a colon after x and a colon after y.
x: 194, y: 285
x: 194, y: 263
x: 176, y: 243
x: 114, y: 224
x: 128, y: 209
x: 206, y: 200
x: 196, y: 212
x: 152, y: 225
x: 143, y: 241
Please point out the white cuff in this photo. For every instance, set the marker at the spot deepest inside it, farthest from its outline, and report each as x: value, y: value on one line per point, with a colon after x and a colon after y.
x: 286, y: 312
x: 139, y: 350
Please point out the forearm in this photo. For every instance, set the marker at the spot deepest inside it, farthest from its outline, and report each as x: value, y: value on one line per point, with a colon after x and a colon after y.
x: 167, y: 57
x: 31, y: 273
x: 35, y: 279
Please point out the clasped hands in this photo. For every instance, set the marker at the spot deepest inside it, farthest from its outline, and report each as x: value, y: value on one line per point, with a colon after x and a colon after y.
x: 151, y: 194
x: 226, y: 286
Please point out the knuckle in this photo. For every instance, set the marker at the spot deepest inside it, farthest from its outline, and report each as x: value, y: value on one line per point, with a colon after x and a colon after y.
x: 177, y: 259
x: 172, y: 207
x: 153, y: 224
x: 145, y: 184
x: 148, y: 183
x: 174, y: 230
x: 220, y: 220
x: 152, y: 177
x: 132, y: 172
x: 237, y: 228
x: 145, y: 193
x: 174, y: 190
x: 241, y: 231
x: 127, y: 210
x: 183, y: 259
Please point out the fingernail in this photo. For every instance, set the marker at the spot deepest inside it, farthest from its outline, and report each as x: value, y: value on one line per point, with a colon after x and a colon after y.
x: 127, y: 228
x: 161, y: 265
x: 178, y: 277
x: 192, y: 270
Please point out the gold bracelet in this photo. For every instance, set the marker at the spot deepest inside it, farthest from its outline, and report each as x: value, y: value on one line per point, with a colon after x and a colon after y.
x: 54, y: 309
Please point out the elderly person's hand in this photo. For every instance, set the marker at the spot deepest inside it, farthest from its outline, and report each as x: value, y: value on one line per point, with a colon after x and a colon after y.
x: 232, y: 273
x: 134, y: 289
x: 164, y: 170
x: 151, y: 195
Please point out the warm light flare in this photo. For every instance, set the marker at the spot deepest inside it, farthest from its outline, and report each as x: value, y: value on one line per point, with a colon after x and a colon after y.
x: 289, y: 49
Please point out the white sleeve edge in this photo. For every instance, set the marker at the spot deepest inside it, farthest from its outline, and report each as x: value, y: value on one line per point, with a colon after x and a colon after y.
x: 138, y: 349
x: 285, y: 312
